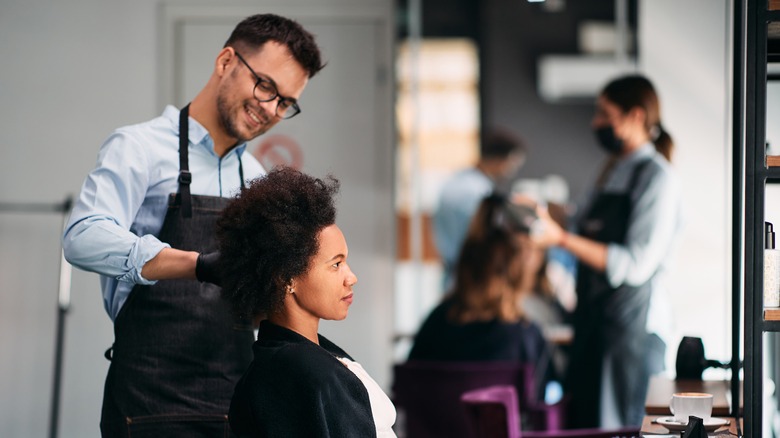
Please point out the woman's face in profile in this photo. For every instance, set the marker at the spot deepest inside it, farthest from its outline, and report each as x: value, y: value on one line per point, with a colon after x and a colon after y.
x: 625, y: 124
x: 325, y: 290
x: 607, y: 114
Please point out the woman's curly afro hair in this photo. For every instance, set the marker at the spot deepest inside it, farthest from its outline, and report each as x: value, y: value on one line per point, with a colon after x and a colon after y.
x: 268, y: 235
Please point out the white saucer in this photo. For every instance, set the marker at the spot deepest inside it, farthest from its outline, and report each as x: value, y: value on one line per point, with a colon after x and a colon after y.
x: 709, y: 425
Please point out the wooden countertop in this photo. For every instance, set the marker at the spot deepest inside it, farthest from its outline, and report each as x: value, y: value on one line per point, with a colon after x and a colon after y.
x: 650, y: 427
x: 660, y: 391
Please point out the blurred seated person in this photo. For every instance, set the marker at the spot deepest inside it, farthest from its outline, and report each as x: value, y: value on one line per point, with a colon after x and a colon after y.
x: 284, y: 259
x: 539, y: 301
x: 558, y: 271
x: 501, y: 154
x: 542, y: 306
x: 481, y: 319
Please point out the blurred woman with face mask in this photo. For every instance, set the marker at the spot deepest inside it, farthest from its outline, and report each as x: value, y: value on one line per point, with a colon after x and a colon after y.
x: 625, y: 234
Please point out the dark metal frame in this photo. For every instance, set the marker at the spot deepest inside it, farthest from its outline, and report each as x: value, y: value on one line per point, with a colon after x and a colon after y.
x: 737, y: 199
x: 750, y: 78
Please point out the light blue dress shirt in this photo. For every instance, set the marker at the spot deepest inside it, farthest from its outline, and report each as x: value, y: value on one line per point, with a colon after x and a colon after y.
x: 458, y: 202
x: 123, y: 201
x: 655, y: 222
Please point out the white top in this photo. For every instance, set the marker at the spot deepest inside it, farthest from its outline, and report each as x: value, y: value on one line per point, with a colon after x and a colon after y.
x: 382, y: 408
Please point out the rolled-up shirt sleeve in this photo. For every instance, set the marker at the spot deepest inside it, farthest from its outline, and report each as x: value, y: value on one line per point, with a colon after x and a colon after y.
x: 98, y: 237
x: 652, y: 227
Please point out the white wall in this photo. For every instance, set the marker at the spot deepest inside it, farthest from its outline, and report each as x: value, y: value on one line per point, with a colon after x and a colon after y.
x: 72, y: 72
x: 684, y: 47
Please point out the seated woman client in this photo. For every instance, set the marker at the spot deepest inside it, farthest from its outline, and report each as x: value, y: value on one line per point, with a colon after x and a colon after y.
x: 481, y: 318
x: 284, y: 260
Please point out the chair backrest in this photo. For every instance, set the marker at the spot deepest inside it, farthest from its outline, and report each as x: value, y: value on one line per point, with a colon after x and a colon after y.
x: 427, y: 394
x: 493, y: 412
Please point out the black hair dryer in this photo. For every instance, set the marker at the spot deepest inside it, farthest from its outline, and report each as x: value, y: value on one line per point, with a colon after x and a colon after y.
x: 691, y: 362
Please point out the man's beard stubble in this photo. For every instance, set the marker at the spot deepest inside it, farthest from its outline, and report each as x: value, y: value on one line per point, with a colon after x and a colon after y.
x: 229, y: 124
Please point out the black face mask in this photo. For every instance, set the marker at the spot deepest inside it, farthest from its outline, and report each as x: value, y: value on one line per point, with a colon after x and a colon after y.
x: 608, y: 141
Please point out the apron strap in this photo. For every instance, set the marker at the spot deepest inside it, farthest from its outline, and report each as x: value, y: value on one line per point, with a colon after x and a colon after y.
x: 241, y: 171
x: 635, y: 176
x: 185, y: 177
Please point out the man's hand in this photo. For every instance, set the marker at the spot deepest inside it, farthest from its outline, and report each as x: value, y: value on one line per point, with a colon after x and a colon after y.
x: 207, y: 268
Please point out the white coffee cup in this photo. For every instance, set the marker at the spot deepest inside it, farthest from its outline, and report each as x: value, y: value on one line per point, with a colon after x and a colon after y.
x: 685, y: 404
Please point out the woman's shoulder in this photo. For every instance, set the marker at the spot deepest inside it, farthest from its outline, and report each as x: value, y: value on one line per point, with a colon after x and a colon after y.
x: 302, y: 357
x: 524, y: 323
x: 296, y: 367
x: 297, y: 388
x: 657, y: 175
x: 439, y: 314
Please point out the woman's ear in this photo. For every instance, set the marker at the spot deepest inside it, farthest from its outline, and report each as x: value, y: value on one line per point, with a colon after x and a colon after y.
x: 638, y: 115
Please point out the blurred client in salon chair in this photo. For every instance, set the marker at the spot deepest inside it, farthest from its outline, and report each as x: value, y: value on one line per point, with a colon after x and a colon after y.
x: 501, y: 156
x: 481, y: 319
x: 623, y: 238
x: 541, y: 306
x: 284, y: 261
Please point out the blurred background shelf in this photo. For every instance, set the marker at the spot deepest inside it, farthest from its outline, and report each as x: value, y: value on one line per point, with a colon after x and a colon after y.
x: 772, y: 314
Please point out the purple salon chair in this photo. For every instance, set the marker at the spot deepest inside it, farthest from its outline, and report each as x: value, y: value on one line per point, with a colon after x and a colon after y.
x: 427, y: 395
x: 494, y: 412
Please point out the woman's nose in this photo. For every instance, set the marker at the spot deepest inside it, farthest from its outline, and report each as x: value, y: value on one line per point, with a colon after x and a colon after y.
x: 351, y: 279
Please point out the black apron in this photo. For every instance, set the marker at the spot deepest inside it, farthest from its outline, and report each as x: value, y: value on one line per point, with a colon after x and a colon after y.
x: 609, y: 323
x: 178, y: 351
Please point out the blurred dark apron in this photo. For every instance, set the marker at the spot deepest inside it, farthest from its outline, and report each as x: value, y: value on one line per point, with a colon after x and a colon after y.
x: 178, y: 351
x: 609, y: 324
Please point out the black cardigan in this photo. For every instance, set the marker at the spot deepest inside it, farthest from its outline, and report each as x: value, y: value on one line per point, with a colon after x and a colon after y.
x: 296, y: 388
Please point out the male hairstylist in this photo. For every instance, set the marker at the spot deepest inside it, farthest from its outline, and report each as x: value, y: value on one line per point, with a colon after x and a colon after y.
x: 145, y: 221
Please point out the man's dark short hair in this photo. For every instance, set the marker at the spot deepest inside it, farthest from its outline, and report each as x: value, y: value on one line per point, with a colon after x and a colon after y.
x: 500, y: 143
x: 256, y: 30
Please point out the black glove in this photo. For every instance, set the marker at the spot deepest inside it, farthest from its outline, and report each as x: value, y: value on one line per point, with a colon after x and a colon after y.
x: 207, y: 268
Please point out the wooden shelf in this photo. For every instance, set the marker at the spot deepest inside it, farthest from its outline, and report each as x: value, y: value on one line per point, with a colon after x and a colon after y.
x: 774, y: 5
x: 772, y: 314
x: 773, y: 160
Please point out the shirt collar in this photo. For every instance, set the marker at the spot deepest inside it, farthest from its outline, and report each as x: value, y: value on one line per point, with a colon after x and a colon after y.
x: 625, y: 164
x: 647, y: 150
x: 198, y: 135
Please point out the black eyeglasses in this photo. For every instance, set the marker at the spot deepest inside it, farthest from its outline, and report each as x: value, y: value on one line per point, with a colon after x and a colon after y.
x: 265, y: 91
